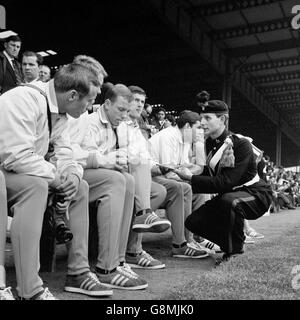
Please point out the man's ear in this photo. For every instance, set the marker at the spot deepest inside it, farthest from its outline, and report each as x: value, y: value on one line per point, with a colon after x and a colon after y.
x: 72, y: 95
x: 107, y: 104
x: 223, y: 118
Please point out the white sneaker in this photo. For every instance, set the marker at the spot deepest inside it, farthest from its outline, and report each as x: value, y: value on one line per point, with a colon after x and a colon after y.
x: 46, y: 295
x: 125, y: 268
x: 248, y: 240
x: 144, y: 261
x: 209, y: 245
x: 6, y: 294
x: 196, y: 245
x: 254, y: 234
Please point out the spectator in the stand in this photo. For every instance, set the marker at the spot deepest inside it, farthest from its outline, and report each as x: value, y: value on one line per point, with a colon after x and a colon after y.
x: 159, y: 119
x: 45, y: 73
x: 170, y: 121
x: 30, y: 66
x: 284, y: 199
x: 144, y: 121
x: 294, y: 192
x: 202, y: 98
x: 10, y: 67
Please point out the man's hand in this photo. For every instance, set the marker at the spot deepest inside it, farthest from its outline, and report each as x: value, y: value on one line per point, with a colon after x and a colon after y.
x: 68, y: 187
x: 119, y: 157
x: 184, y: 173
x: 116, y: 160
x: 193, y: 168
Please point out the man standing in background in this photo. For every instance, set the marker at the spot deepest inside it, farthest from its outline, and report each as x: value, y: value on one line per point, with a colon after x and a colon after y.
x: 45, y: 73
x: 10, y: 68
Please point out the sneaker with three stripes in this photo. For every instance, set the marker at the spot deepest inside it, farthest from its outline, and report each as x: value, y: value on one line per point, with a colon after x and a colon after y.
x: 150, y: 222
x: 207, y: 244
x: 144, y: 260
x: 86, y: 283
x: 188, y: 252
x: 122, y: 279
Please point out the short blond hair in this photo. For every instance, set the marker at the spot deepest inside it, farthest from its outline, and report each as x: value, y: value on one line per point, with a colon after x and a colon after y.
x: 92, y: 64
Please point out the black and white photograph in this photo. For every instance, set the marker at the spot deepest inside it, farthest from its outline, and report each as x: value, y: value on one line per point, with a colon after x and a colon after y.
x: 150, y: 153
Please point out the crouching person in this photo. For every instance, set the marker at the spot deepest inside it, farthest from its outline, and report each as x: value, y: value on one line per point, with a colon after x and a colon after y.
x: 30, y: 118
x: 231, y: 173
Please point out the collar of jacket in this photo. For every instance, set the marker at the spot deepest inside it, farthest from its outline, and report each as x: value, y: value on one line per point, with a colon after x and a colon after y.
x: 131, y: 123
x: 102, y: 116
x: 5, y: 54
x: 220, y: 139
x: 50, y: 92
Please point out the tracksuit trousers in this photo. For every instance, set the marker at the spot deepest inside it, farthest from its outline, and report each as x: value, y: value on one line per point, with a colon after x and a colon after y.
x: 113, y: 192
x: 27, y: 199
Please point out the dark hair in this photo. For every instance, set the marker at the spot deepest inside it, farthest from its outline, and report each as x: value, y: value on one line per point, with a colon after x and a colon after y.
x: 136, y: 89
x: 13, y: 38
x: 28, y: 53
x: 101, y: 97
x: 203, y: 96
x: 161, y: 109
x: 184, y: 111
x: 77, y: 77
x: 187, y: 117
x: 171, y: 119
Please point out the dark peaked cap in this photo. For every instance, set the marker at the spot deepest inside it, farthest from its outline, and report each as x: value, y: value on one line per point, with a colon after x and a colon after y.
x: 214, y: 106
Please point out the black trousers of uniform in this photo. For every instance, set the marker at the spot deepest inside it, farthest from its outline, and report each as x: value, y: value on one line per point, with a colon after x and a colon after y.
x: 221, y: 219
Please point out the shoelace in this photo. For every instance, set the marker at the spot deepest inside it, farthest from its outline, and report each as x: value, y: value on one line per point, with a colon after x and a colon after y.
x: 195, y: 245
x: 6, y: 294
x: 46, y: 295
x: 147, y: 255
x: 209, y: 245
x: 92, y: 276
x: 152, y: 217
x: 127, y: 268
x: 126, y: 273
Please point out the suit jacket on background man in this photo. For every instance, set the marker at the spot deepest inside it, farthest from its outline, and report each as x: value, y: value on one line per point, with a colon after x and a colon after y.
x: 8, y: 78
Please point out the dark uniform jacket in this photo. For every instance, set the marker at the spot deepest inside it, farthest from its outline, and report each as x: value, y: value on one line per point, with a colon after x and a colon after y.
x: 227, y: 179
x: 8, y: 78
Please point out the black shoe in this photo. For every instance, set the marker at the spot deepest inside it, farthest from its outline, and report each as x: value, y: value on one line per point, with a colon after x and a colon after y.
x: 291, y: 207
x: 226, y: 257
x: 63, y: 234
